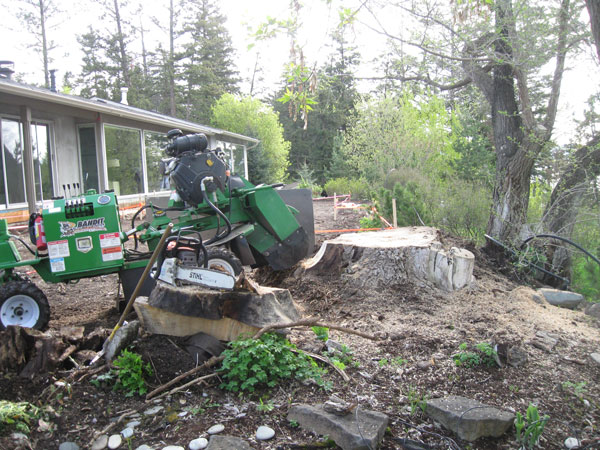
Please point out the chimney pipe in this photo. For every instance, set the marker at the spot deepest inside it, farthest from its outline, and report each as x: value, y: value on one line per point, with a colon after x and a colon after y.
x: 124, y: 95
x: 52, y: 80
x: 6, y: 69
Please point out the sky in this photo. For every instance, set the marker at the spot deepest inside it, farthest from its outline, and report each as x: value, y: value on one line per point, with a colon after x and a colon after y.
x: 317, y: 18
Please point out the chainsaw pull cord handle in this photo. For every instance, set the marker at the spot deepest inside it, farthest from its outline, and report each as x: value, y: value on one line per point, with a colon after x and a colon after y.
x: 215, y: 209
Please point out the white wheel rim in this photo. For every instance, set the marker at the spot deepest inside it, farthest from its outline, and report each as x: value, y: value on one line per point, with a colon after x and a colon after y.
x: 222, y: 265
x: 20, y: 310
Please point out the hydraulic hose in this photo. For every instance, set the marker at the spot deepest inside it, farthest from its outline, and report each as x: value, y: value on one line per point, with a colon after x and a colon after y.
x: 560, y: 238
x: 137, y: 213
x: 220, y: 213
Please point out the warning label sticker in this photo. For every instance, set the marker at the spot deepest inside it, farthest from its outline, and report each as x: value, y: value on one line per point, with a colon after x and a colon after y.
x: 110, y: 240
x: 112, y: 253
x: 58, y: 249
x: 57, y: 264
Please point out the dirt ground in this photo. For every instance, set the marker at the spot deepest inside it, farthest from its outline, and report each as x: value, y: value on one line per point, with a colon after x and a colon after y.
x: 423, y: 327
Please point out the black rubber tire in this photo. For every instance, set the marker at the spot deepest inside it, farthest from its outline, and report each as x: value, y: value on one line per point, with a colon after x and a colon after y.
x: 28, y: 289
x: 220, y: 254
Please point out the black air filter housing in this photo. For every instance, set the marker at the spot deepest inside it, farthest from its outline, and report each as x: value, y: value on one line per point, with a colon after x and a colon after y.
x: 191, y: 169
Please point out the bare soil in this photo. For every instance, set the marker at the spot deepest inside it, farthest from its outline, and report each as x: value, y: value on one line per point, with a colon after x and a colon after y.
x: 423, y: 327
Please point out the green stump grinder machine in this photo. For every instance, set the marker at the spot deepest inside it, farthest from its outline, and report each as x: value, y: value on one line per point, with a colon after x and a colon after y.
x: 220, y: 222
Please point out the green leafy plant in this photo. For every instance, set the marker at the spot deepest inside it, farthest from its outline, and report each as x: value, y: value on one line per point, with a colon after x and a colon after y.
x: 342, y: 358
x: 265, y: 407
x: 294, y: 424
x: 131, y: 372
x: 578, y: 389
x: 17, y: 416
x: 484, y: 355
x: 529, y: 429
x: 321, y: 332
x: 251, y: 363
x: 370, y: 221
x: 417, y: 401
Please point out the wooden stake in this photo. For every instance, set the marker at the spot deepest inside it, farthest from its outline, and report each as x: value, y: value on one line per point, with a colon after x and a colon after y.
x: 395, y: 218
x: 334, y: 207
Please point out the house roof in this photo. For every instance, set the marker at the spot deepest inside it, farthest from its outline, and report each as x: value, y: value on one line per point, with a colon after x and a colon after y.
x: 118, y: 109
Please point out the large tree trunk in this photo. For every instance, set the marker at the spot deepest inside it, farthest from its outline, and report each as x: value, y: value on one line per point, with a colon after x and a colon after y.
x: 560, y: 215
x: 593, y: 7
x: 514, y: 158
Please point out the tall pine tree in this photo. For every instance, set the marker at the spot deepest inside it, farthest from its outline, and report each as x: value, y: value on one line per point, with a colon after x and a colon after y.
x: 208, y: 70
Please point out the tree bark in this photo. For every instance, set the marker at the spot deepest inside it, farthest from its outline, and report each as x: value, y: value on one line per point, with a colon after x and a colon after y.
x: 121, y: 41
x: 171, y: 63
x: 593, y: 7
x: 44, y: 43
x: 560, y: 214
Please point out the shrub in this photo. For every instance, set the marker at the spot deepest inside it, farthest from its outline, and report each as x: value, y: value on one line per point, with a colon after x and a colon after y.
x: 411, y: 208
x: 251, y: 363
x: 359, y: 189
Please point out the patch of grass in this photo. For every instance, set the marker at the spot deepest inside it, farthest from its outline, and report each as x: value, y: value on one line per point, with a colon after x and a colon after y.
x: 265, y: 407
x: 252, y: 363
x: 321, y: 332
x: 17, y: 416
x: 417, y: 401
x: 342, y: 358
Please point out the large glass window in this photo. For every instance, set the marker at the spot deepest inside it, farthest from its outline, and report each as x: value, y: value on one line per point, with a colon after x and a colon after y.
x: 89, y: 163
x: 42, y: 161
x: 156, y: 162
x: 13, y: 179
x: 124, y: 160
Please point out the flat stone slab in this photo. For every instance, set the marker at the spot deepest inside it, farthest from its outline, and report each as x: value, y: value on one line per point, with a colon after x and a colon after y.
x: 468, y: 418
x: 224, y: 442
x: 388, y: 257
x: 358, y: 430
x: 564, y: 299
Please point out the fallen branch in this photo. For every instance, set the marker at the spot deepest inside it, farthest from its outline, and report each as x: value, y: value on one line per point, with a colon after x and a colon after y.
x: 308, y: 322
x: 188, y: 384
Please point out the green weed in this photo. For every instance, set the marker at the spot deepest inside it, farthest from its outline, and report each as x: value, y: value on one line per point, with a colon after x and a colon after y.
x: 251, y: 363
x: 483, y: 356
x: 529, y: 429
x: 321, y: 332
x: 18, y: 416
x: 131, y: 372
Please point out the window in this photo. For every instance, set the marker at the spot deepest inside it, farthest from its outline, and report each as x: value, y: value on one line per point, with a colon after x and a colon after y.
x: 13, y: 179
x: 124, y: 160
x: 89, y: 163
x: 156, y: 161
x: 42, y: 161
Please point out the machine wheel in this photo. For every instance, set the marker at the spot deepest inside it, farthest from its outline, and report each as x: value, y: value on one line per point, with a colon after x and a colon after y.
x: 224, y: 260
x: 23, y: 303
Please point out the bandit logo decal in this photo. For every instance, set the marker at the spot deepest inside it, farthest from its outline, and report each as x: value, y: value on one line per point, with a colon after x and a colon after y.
x: 82, y: 226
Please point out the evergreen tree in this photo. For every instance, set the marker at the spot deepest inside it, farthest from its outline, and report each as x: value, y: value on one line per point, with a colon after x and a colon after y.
x: 208, y: 69
x: 336, y: 95
x: 94, y: 77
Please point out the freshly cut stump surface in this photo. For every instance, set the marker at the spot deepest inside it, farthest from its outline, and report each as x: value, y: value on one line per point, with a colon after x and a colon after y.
x: 388, y: 257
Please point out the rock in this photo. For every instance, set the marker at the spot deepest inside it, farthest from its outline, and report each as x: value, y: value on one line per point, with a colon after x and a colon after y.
x: 68, y: 446
x: 224, y: 442
x: 595, y: 357
x: 127, y: 432
x: 337, y: 406
x: 216, y: 429
x: 593, y: 310
x: 264, y: 433
x: 423, y: 365
x: 362, y: 430
x: 115, y: 441
x: 545, y: 341
x: 516, y: 356
x: 121, y: 340
x: 469, y: 419
x: 564, y: 299
x: 572, y: 443
x: 173, y: 447
x: 100, y: 443
x: 143, y: 447
x: 154, y: 410
x: 198, y: 444
x: 133, y: 423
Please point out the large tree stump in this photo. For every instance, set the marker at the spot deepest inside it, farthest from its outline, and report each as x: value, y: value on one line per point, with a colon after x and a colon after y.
x: 184, y: 311
x: 385, y: 258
